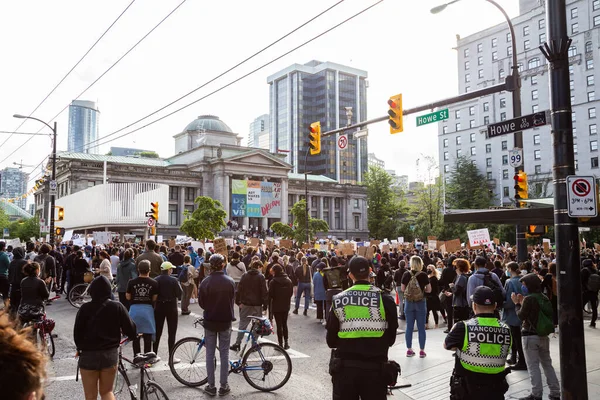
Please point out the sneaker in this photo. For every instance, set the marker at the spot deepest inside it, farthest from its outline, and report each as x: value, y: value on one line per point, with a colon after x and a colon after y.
x: 235, y: 347
x: 176, y: 360
x: 410, y: 353
x: 519, y: 367
x: 223, y: 390
x: 155, y: 360
x: 286, y: 346
x: 593, y: 325
x: 210, y: 390
x: 422, y: 354
x: 186, y: 312
x: 446, y: 330
x: 305, y: 313
x: 295, y: 311
x: 530, y: 397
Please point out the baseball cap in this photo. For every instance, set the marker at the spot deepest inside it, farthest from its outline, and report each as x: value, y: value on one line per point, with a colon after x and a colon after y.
x: 358, y: 265
x: 483, y: 296
x: 190, y: 248
x: 166, y: 265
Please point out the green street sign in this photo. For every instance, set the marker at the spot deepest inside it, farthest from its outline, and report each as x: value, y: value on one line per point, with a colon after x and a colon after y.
x: 433, y: 117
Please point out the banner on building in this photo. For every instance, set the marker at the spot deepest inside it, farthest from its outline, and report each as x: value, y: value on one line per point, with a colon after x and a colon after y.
x: 255, y: 199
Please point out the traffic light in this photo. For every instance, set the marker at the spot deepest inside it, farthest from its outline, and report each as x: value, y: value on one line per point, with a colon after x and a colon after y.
x: 536, y: 230
x: 315, y: 138
x: 59, y: 231
x: 61, y: 213
x: 395, y: 113
x: 521, y: 188
x: 154, y: 210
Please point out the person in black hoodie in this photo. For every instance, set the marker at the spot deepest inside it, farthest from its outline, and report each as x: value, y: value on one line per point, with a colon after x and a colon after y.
x: 448, y: 277
x: 15, y: 276
x: 280, y: 293
x: 97, y: 333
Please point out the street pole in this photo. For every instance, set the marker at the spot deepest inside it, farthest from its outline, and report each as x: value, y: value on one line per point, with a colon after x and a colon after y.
x: 306, y: 193
x: 53, y: 196
x: 570, y: 310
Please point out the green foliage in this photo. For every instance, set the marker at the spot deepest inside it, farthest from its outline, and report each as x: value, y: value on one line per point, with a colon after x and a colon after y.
x: 148, y: 154
x: 25, y: 229
x: 297, y: 231
x: 467, y: 188
x: 4, y: 221
x: 384, y: 207
x: 429, y: 209
x: 207, y: 220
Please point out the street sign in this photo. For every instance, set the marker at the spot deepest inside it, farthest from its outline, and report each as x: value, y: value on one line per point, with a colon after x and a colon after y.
x: 53, y: 187
x: 364, y: 132
x: 515, y: 157
x: 149, y: 214
x: 581, y: 195
x: 151, y: 222
x: 433, y: 117
x: 342, y: 142
x: 517, y: 124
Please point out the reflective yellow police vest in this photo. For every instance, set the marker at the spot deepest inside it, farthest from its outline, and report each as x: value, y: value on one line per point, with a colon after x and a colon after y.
x: 360, y: 312
x: 486, y: 346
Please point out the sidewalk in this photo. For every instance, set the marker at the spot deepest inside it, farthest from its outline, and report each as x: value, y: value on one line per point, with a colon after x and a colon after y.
x: 430, y: 376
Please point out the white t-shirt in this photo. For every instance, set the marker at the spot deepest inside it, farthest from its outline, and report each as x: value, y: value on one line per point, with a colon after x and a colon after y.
x: 114, y: 263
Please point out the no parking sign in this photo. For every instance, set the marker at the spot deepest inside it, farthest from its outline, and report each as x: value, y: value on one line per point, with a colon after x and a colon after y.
x: 581, y: 195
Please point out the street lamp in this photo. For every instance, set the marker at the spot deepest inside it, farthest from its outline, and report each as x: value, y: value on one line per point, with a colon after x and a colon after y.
x: 514, y: 84
x: 52, y: 195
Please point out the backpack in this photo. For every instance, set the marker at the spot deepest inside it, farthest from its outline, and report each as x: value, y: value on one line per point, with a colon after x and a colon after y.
x: 545, y: 325
x: 593, y: 284
x: 183, y: 275
x: 496, y: 288
x: 413, y: 291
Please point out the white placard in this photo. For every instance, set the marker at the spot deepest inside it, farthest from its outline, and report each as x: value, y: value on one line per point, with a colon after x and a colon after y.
x: 431, y: 244
x: 159, y: 238
x: 197, y: 245
x: 102, y: 237
x: 68, y: 235
x: 401, y: 239
x: 79, y: 242
x: 479, y: 237
x: 14, y: 243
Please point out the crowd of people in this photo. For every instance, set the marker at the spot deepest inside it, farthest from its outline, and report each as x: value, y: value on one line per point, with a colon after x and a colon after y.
x: 151, y: 281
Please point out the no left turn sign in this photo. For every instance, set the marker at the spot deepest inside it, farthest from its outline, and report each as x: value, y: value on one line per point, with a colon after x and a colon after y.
x: 581, y: 195
x: 342, y: 142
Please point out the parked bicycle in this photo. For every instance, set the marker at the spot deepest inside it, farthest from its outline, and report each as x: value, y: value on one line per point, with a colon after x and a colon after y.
x: 79, y: 294
x: 265, y: 366
x: 147, y: 387
x: 42, y: 332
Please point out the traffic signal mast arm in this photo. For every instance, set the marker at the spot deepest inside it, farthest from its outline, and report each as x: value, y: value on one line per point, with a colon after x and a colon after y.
x: 426, y: 107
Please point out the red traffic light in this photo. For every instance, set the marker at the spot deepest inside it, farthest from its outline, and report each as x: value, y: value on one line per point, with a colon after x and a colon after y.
x: 392, y: 103
x: 313, y: 129
x: 519, y: 178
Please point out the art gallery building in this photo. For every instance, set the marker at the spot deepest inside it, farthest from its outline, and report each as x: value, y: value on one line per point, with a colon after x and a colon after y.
x: 255, y: 187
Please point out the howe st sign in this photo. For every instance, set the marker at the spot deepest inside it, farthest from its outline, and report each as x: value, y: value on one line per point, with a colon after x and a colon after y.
x: 433, y: 117
x: 517, y: 124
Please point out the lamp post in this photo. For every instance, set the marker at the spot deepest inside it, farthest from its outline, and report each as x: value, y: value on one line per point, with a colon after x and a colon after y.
x: 514, y: 83
x: 52, y: 196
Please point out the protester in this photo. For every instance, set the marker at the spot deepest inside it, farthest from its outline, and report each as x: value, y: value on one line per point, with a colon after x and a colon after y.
x: 513, y: 285
x: 415, y: 284
x: 590, y: 282
x: 34, y: 292
x: 126, y: 271
x: 169, y: 291
x: 154, y: 258
x: 235, y: 268
x: 458, y: 292
x: 142, y: 292
x: 186, y: 278
x: 15, y: 276
x: 105, y: 266
x: 433, y: 298
x: 303, y: 275
x: 319, y: 292
x: 280, y: 293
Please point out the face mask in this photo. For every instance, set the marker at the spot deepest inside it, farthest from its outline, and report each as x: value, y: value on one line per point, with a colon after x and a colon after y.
x: 524, y: 290
x: 507, y: 273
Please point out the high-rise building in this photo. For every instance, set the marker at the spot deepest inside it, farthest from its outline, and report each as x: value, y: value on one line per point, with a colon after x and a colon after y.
x: 375, y: 162
x: 264, y: 140
x: 319, y: 91
x: 259, y: 126
x: 13, y: 183
x: 485, y: 59
x: 83, y: 126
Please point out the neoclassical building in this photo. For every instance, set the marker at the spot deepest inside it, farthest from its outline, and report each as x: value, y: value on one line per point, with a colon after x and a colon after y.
x: 255, y: 187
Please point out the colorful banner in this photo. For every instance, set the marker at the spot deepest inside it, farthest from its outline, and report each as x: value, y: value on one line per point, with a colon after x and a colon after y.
x: 255, y: 199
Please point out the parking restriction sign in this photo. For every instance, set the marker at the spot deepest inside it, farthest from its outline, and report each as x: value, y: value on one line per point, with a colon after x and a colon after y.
x: 581, y: 195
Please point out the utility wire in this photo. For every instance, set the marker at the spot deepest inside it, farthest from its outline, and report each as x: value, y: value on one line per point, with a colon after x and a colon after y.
x: 68, y: 73
x: 104, y: 73
x: 216, y: 77
x: 240, y: 78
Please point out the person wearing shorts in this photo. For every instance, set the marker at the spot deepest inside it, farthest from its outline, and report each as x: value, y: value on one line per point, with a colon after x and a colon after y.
x: 97, y: 334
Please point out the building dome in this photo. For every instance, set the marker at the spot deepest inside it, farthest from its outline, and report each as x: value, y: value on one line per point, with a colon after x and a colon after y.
x: 208, y: 123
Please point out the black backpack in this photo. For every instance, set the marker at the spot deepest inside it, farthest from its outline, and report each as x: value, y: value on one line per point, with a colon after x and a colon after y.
x: 497, y: 289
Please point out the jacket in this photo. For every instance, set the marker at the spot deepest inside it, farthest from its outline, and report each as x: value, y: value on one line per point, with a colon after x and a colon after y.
x: 215, y: 296
x: 280, y: 293
x: 33, y: 292
x: 448, y: 277
x: 289, y: 270
x: 176, y: 258
x: 235, y: 269
x: 252, y: 290
x: 319, y: 285
x: 459, y: 292
x: 301, y: 276
x: 529, y: 310
x: 155, y: 262
x: 125, y: 272
x: 47, y: 264
x: 513, y: 285
x: 15, y: 269
x: 99, y: 323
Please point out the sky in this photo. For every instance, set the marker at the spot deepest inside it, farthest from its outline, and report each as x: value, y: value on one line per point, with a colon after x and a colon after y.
x: 403, y: 47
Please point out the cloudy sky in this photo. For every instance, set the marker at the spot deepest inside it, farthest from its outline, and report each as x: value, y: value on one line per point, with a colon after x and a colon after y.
x: 404, y: 48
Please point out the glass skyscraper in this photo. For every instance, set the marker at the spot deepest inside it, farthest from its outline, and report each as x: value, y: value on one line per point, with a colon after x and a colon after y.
x: 13, y: 183
x: 83, y: 126
x: 258, y: 126
x: 319, y: 91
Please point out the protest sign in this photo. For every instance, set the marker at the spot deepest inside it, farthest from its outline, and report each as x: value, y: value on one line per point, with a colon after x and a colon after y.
x: 431, y: 244
x: 254, y: 242
x: 220, y: 246
x: 286, y: 243
x: 479, y: 237
x: 452, y: 246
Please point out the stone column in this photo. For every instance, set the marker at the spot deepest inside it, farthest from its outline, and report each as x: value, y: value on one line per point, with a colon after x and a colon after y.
x: 264, y: 222
x: 320, y: 213
x: 226, y: 195
x: 284, y: 201
x: 181, y: 204
x: 332, y: 213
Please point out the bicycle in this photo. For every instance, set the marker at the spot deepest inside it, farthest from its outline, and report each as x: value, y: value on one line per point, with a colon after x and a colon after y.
x: 79, y: 294
x: 258, y: 364
x: 42, y: 332
x: 149, y: 389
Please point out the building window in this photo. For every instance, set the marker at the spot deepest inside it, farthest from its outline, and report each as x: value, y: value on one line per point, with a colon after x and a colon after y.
x: 572, y: 85
x: 594, y: 161
x: 467, y: 78
x: 494, y: 57
x: 596, y: 5
x: 504, y: 174
x: 457, y: 114
x: 591, y: 96
x: 472, y: 110
x: 571, y: 70
x: 356, y: 222
x: 479, y: 47
x: 458, y: 140
x: 173, y: 214
x: 445, y: 142
x: 574, y: 132
x: 466, y: 53
x: 504, y: 145
x: 467, y: 89
x: 509, y: 51
x: 534, y: 108
x: 536, y: 139
x: 576, y: 165
x: 542, y: 37
x: 573, y: 12
x: 472, y: 124
x: 458, y: 153
x: 338, y: 220
x: 526, y: 44
x: 508, y: 37
x: 325, y: 203
x: 537, y: 154
x: 444, y: 129
x: 488, y: 148
x: 313, y: 201
x: 572, y: 99
x: 479, y: 60
x: 467, y: 64
x: 502, y: 116
x: 446, y: 157
x: 593, y: 145
x: 505, y: 159
x: 501, y: 74
x: 597, y: 20
x: 472, y: 137
x: 592, y: 112
x: 593, y: 129
x: 590, y: 80
x: 534, y: 80
x: 489, y: 176
x: 542, y: 23
x: 526, y: 30
x: 538, y: 169
x: 473, y: 151
x: 173, y: 193
x: 533, y: 63
x: 572, y: 51
x: 488, y: 162
x: 189, y: 209
x: 505, y: 191
x: 190, y: 194
x: 457, y: 127
x: 574, y: 27
x: 534, y: 94
x: 502, y: 103
x: 480, y: 73
x: 486, y: 107
x: 589, y: 64
x: 588, y: 47
x: 486, y: 120
x: 337, y: 202
x: 494, y: 42
x: 356, y: 203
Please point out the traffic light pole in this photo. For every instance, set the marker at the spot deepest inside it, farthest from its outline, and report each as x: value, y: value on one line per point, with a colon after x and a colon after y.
x: 306, y: 192
x: 53, y: 196
x: 570, y: 309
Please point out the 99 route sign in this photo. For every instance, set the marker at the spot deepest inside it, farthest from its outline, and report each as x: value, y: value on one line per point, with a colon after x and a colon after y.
x: 517, y: 124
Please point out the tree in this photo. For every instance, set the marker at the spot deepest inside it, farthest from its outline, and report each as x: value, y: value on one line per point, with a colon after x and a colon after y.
x: 428, y: 209
x: 25, y: 229
x: 297, y: 231
x: 148, y: 154
x: 383, y: 207
x: 468, y: 188
x: 4, y: 220
x: 207, y: 220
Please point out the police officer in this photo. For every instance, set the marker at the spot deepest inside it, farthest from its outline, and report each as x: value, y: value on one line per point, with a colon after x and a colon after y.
x: 482, y: 345
x: 361, y: 328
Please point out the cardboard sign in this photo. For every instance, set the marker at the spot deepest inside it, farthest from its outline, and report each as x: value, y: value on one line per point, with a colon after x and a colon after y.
x: 452, y: 245
x: 306, y: 246
x: 220, y: 246
x: 546, y: 247
x: 385, y: 248
x: 286, y: 243
x: 270, y: 243
x: 479, y: 237
x: 375, y: 243
x: 362, y: 251
x: 254, y: 242
x: 431, y: 244
x: 431, y: 238
x: 171, y: 243
x: 347, y: 249
x: 597, y: 246
x: 443, y: 248
x: 370, y: 253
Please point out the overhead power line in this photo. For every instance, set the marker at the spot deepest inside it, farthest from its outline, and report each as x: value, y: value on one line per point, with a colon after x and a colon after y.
x: 68, y: 73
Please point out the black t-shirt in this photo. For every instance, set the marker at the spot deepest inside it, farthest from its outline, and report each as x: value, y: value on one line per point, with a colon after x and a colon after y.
x: 142, y: 290
x: 422, y: 278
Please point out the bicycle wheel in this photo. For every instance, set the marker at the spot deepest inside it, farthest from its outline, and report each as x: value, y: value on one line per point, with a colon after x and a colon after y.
x: 153, y: 391
x: 79, y: 295
x: 47, y: 342
x: 121, y: 386
x: 267, y: 367
x: 191, y: 370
